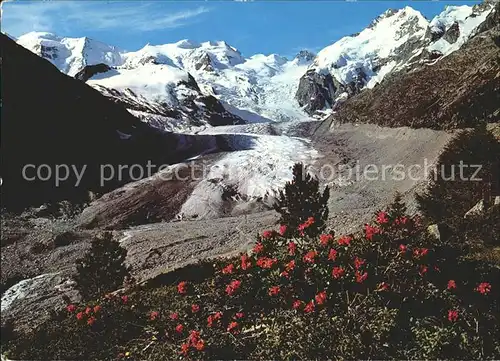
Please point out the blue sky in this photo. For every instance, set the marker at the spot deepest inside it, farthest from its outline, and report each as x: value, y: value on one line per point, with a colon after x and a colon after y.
x: 252, y: 26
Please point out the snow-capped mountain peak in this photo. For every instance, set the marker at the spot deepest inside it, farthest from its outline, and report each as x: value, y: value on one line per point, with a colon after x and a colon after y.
x: 395, y: 40
x: 70, y: 55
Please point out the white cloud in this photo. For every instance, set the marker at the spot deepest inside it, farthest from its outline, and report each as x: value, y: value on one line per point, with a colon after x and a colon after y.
x: 22, y: 17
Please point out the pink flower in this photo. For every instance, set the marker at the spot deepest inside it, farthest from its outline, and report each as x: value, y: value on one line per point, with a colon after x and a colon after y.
x: 320, y: 298
x: 452, y: 315
x: 296, y: 304
x: 273, y: 291
x: 228, y: 269
x: 79, y: 315
x: 239, y: 315
x: 484, y: 288
x: 282, y: 230
x: 124, y: 298
x: 401, y: 220
x: 402, y: 248
x: 258, y: 248
x: 332, y: 255
x: 195, y: 308
x: 345, y: 240
x: 266, y: 263
x: 383, y: 287
x: 292, y: 247
x: 97, y: 308
x: 267, y: 234
x: 309, y: 256
x: 233, y: 287
x: 306, y: 224
x: 361, y: 277
x: 309, y: 307
x: 233, y: 327
x: 423, y: 269
x: 285, y: 274
x: 290, y: 265
x: 358, y: 262
x: 245, y: 263
x: 182, y: 287
x: 213, y: 318
x: 337, y: 272
x: 153, y: 315
x: 91, y: 321
x: 324, y: 239
x: 370, y: 231
x: 174, y: 316
x: 451, y: 284
x: 71, y: 308
x: 420, y: 252
x: 88, y: 310
x: 382, y: 217
x: 184, y: 349
x: 199, y: 345
x: 194, y: 336
x: 179, y: 328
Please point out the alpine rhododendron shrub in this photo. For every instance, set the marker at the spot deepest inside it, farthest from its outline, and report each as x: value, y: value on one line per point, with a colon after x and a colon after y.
x: 386, y: 292
x: 300, y: 202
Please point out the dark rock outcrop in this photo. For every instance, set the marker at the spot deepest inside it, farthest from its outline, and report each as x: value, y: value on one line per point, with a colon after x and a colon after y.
x: 204, y: 63
x: 452, y: 33
x: 318, y: 91
x: 315, y: 91
x: 90, y: 70
x: 305, y: 56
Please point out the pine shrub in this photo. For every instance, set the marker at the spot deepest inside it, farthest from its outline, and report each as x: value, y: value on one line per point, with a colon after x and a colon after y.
x: 102, y: 269
x: 301, y: 200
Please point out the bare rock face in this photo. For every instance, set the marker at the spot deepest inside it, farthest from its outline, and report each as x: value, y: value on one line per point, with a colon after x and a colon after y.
x: 90, y: 70
x: 315, y: 90
x: 204, y: 63
x: 451, y: 35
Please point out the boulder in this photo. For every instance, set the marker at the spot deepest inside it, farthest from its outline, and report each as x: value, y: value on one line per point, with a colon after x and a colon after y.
x: 477, y: 210
x: 433, y: 230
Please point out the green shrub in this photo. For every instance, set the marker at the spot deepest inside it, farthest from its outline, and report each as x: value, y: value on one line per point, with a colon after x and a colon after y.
x: 102, y: 269
x: 301, y: 200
